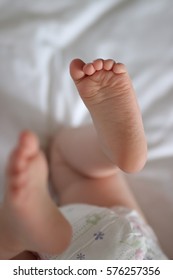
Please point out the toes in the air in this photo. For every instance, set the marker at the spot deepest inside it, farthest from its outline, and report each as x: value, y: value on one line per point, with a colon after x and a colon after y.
x: 78, y: 68
x: 16, y: 170
x: 98, y: 65
x: 26, y: 149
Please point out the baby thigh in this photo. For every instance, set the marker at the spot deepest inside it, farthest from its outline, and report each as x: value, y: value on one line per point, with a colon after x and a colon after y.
x: 72, y: 186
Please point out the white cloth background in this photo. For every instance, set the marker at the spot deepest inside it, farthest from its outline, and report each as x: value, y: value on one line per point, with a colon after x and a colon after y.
x: 38, y: 39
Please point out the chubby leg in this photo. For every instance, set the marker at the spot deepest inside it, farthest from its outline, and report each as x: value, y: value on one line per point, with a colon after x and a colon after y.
x: 85, y: 162
x: 71, y: 186
x: 29, y: 219
x: 106, y: 89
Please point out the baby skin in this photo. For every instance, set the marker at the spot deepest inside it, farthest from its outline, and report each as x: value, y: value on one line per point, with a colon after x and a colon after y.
x: 85, y: 164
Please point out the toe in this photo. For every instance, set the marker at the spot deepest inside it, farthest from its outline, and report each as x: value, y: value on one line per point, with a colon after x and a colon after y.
x: 98, y: 64
x: 89, y: 69
x: 18, y: 181
x: 27, y: 148
x: 76, y: 69
x: 29, y: 144
x: 108, y: 64
x: 119, y: 68
x: 17, y: 162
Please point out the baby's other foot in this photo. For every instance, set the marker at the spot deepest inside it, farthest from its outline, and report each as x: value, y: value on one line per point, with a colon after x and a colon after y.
x: 106, y: 89
x: 33, y: 222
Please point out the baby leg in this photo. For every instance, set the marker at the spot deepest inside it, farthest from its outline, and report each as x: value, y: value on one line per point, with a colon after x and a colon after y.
x: 28, y: 216
x: 106, y: 89
x: 72, y: 186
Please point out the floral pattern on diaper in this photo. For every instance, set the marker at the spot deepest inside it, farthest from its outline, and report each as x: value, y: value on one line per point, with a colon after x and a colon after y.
x: 125, y: 234
x: 80, y: 256
x: 93, y: 220
x: 98, y: 235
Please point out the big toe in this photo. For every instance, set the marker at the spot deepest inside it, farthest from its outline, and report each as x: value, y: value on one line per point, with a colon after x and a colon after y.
x: 27, y: 147
x: 76, y: 69
x: 29, y: 143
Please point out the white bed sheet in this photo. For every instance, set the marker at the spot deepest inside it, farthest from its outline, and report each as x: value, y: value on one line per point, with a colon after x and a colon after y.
x: 38, y: 39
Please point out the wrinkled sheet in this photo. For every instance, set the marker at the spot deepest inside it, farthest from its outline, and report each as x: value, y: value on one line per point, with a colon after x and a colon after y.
x: 38, y: 39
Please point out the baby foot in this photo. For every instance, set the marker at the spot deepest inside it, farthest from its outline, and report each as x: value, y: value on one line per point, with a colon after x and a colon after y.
x: 31, y: 219
x: 97, y: 81
x: 107, y: 91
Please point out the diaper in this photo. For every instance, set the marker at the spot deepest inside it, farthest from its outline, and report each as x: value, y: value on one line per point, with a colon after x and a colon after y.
x: 108, y: 234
